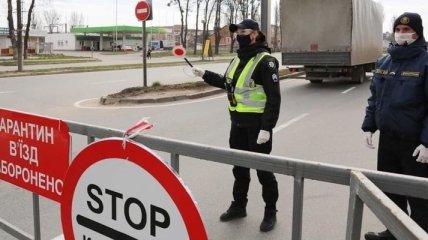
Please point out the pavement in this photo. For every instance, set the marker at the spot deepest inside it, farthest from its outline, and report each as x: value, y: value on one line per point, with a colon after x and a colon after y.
x: 166, y: 95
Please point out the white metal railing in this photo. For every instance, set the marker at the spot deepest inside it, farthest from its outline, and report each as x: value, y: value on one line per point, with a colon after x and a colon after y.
x: 366, y: 186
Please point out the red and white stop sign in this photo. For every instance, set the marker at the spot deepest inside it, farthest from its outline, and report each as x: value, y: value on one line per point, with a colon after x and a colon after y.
x: 142, y: 11
x: 116, y: 189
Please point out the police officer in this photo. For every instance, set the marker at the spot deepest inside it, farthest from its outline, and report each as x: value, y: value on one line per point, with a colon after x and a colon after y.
x: 252, y: 86
x: 398, y: 108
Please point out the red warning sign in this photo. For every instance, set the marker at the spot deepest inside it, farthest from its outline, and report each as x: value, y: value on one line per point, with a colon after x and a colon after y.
x: 34, y: 152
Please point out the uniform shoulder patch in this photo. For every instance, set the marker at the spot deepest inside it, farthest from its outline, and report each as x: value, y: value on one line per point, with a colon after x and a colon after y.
x: 271, y: 65
x: 274, y: 77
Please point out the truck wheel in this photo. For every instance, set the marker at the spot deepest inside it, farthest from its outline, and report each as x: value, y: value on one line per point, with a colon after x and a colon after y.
x: 316, y: 81
x: 358, y: 75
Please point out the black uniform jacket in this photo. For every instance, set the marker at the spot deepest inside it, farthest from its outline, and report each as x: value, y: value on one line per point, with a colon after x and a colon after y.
x: 265, y: 74
x: 398, y: 105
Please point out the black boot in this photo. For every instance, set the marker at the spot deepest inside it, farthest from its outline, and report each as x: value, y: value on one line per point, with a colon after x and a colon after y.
x: 385, y: 235
x: 269, y: 221
x: 235, y: 211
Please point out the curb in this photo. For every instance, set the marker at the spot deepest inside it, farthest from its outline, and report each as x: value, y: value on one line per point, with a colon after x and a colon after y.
x: 110, y: 100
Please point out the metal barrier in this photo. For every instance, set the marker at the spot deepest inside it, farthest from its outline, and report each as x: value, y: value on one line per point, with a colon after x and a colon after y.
x: 366, y: 186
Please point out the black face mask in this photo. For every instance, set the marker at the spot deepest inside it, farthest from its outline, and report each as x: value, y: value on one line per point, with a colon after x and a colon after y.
x: 243, y: 40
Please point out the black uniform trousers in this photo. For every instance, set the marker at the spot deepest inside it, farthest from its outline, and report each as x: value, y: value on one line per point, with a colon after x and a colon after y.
x: 244, y: 138
x: 395, y: 156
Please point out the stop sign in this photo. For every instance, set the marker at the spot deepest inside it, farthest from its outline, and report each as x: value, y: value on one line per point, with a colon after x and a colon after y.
x: 142, y: 11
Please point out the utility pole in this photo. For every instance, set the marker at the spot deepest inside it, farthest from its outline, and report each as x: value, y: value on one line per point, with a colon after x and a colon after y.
x: 19, y: 34
x: 115, y: 35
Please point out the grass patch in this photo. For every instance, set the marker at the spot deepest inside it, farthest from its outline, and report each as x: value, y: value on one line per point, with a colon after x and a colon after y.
x: 99, y: 68
x: 48, y: 59
x: 54, y: 56
x: 134, y: 91
x: 189, y: 53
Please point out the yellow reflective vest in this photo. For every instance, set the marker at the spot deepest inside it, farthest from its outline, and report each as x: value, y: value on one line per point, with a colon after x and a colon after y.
x: 250, y: 97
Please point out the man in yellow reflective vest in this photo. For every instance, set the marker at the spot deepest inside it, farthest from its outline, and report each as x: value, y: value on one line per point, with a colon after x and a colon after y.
x: 253, y: 90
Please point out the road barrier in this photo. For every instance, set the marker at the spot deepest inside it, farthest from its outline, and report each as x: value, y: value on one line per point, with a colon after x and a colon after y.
x: 366, y: 186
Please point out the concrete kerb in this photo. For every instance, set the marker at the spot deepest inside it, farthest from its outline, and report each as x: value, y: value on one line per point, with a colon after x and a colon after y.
x: 136, y: 100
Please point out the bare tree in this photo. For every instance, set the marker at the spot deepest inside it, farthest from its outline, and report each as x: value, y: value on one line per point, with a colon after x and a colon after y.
x: 275, y: 31
x: 217, y: 26
x: 244, y: 8
x: 76, y: 19
x: 254, y: 10
x: 198, y: 6
x: 19, y: 33
x: 249, y: 8
x: 184, y: 13
x: 209, y: 8
x: 27, y: 28
x: 231, y: 15
x: 11, y: 24
x: 52, y: 19
x: 36, y: 22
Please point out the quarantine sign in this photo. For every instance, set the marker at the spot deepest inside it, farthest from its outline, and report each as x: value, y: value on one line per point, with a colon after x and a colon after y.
x: 34, y: 152
x: 118, y: 189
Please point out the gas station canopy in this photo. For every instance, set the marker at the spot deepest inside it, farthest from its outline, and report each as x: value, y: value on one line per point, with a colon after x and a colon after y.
x: 119, y: 29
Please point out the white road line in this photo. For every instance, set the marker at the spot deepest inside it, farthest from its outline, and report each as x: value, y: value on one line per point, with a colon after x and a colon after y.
x: 80, y: 104
x: 106, y: 82
x: 60, y: 237
x: 5, y: 92
x: 348, y: 90
x: 287, y: 124
x: 108, y: 107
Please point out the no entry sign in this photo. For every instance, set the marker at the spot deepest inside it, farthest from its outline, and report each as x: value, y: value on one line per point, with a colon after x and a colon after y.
x: 142, y: 11
x: 116, y: 192
x: 34, y: 152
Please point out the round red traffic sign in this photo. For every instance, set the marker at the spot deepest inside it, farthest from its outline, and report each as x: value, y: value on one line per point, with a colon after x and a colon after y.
x: 126, y: 192
x: 142, y: 11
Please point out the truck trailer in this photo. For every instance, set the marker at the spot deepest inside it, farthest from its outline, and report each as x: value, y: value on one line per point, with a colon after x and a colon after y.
x: 331, y: 39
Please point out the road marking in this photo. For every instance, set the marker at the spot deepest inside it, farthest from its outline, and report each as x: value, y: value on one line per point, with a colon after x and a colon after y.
x: 106, y: 82
x: 60, y: 237
x: 348, y: 90
x: 78, y: 104
x: 6, y: 92
x: 287, y: 124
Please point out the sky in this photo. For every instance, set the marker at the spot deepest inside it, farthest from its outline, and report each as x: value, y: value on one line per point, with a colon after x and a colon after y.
x: 103, y: 12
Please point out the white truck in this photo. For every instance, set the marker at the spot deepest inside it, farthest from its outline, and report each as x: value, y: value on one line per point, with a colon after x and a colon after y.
x: 162, y: 44
x: 331, y: 39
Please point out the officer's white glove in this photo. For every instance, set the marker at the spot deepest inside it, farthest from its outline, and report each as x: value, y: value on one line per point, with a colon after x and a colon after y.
x: 263, y: 137
x: 198, y: 72
x: 422, y: 152
x: 369, y: 139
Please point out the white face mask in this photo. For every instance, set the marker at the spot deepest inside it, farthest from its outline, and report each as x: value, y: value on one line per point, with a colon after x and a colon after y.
x: 402, y: 38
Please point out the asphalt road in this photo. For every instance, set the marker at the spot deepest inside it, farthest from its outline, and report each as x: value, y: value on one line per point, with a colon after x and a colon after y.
x: 318, y: 122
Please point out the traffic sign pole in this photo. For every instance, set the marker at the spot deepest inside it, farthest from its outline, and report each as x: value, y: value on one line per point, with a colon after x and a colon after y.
x: 143, y: 13
x: 144, y: 55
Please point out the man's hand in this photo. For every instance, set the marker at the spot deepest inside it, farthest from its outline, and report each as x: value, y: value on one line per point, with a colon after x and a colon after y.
x: 422, y: 152
x: 369, y: 139
x: 198, y: 72
x: 263, y: 137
